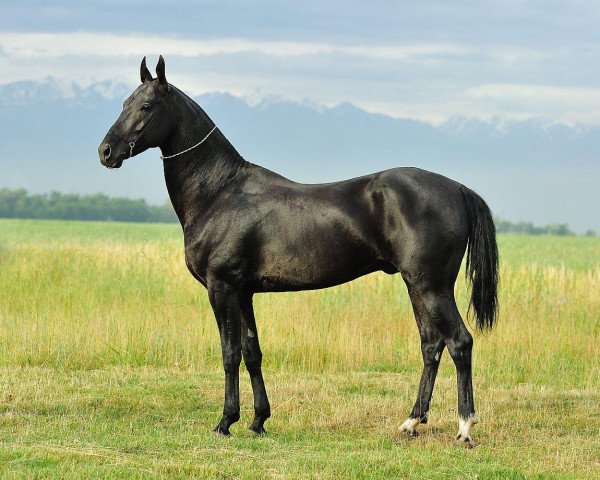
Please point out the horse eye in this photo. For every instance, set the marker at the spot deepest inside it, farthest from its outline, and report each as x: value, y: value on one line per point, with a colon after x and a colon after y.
x: 146, y: 106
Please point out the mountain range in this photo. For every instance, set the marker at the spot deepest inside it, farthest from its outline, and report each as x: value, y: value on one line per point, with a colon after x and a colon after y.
x: 532, y: 170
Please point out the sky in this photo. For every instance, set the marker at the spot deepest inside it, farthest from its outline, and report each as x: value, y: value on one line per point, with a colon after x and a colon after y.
x: 425, y: 60
x: 524, y: 68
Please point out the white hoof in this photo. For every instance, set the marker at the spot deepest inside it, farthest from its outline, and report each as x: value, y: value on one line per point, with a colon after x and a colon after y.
x: 410, y: 427
x: 463, y: 437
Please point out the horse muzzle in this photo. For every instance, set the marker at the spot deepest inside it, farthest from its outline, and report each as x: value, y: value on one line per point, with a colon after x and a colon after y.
x: 108, y: 157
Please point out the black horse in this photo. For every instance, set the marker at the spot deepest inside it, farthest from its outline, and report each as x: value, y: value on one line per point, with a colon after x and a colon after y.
x: 249, y: 230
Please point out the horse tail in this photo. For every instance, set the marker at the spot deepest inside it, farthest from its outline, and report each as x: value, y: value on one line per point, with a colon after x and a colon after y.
x: 482, y: 260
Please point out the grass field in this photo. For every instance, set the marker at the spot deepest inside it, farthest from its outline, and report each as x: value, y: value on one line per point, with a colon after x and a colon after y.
x: 110, y: 367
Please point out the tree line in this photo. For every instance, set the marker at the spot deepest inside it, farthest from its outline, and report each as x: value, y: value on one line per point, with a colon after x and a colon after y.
x: 71, y: 206
x: 100, y: 207
x: 528, y: 228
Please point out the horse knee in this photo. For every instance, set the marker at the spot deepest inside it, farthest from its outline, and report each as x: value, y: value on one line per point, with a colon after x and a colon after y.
x: 231, y: 361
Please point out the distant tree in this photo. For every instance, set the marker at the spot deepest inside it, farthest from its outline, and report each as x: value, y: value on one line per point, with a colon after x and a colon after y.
x: 56, y: 205
x: 559, y: 229
x: 164, y: 213
x: 528, y: 228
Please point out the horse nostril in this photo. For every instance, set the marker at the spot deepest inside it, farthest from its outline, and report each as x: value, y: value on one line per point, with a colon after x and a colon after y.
x: 106, y: 151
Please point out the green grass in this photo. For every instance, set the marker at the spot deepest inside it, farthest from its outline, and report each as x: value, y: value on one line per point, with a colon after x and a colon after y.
x: 40, y: 233
x: 575, y: 253
x: 152, y: 422
x: 110, y: 367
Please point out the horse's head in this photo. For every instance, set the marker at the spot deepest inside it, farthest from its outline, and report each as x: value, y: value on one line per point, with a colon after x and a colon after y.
x: 143, y: 123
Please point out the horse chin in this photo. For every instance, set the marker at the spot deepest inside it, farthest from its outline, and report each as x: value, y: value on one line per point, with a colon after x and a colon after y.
x: 117, y: 164
x: 113, y: 164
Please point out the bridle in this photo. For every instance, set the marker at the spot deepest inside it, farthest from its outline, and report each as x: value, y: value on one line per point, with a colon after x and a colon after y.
x: 162, y: 157
x: 132, y: 144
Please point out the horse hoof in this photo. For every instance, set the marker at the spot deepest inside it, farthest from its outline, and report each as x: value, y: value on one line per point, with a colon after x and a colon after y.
x: 409, y: 428
x: 465, y: 442
x: 259, y: 430
x: 410, y: 432
x: 463, y: 437
x: 221, y: 431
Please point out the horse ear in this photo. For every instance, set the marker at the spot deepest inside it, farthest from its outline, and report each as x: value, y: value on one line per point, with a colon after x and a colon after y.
x: 145, y: 74
x: 160, y: 70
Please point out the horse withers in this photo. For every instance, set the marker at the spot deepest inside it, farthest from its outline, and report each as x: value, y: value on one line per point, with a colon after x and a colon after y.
x: 249, y: 230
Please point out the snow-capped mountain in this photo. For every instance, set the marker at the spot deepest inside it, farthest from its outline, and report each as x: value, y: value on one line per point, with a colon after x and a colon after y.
x: 531, y: 170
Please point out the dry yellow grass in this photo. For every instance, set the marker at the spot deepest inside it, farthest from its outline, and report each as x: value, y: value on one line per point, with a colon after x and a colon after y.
x: 148, y: 422
x: 90, y: 305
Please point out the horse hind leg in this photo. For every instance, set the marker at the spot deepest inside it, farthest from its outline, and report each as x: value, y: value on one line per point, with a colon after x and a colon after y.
x: 442, y: 308
x: 437, y: 311
x: 460, y: 345
x: 432, y: 346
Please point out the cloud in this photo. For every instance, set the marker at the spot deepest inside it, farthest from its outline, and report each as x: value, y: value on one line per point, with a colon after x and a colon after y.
x: 425, y: 81
x: 568, y: 104
x: 27, y: 45
x: 541, y: 94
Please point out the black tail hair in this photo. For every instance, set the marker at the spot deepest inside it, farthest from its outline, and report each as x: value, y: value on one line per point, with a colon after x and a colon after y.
x: 482, y: 260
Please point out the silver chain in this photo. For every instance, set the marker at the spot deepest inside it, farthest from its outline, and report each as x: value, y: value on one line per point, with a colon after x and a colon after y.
x: 164, y: 157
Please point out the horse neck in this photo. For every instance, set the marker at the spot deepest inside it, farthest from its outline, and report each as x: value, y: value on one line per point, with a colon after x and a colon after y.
x: 194, y: 179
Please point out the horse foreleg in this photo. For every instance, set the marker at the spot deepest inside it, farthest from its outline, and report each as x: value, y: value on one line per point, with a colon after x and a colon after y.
x: 225, y: 302
x: 253, y: 361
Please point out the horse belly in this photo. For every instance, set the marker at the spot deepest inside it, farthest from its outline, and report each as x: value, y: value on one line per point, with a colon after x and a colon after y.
x: 315, y: 262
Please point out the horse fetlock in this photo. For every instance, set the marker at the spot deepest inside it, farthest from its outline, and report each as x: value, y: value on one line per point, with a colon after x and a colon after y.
x: 222, y: 430
x: 229, y: 418
x: 257, y: 425
x: 226, y: 421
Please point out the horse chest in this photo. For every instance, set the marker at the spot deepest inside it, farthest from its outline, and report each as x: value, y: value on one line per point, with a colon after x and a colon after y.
x: 196, y: 260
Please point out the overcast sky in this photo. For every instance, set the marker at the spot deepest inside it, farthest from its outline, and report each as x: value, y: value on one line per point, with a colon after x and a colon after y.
x: 422, y: 60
